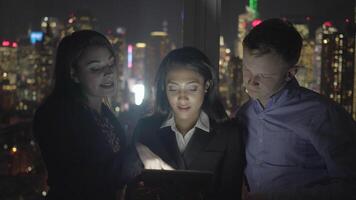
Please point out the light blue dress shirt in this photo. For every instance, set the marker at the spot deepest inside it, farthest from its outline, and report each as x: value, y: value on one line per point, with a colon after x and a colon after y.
x: 300, y: 145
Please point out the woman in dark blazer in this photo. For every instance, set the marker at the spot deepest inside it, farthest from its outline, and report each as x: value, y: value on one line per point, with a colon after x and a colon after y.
x: 189, y: 129
x: 81, y: 141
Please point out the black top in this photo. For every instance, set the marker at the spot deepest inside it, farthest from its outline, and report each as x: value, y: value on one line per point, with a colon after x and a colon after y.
x: 220, y: 151
x: 82, y: 150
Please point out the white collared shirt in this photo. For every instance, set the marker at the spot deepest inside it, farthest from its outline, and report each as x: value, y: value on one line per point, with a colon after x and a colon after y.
x: 182, y: 141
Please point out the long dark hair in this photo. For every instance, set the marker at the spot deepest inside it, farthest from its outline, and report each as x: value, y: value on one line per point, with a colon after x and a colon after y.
x: 193, y: 59
x: 69, y: 51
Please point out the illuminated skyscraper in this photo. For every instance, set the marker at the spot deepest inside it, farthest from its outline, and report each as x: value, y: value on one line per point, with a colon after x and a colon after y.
x: 52, y: 28
x: 230, y: 79
x: 158, y: 45
x: 305, y: 72
x: 246, y: 21
x: 36, y: 64
x: 136, y: 63
x: 224, y: 76
x: 28, y: 62
x: 348, y: 69
x: 245, y: 24
x: 139, y: 57
x: 80, y: 21
x: 8, y: 74
x: 337, y: 65
x: 117, y: 39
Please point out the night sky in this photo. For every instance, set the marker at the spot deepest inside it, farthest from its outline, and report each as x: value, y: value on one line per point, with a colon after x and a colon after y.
x: 140, y: 17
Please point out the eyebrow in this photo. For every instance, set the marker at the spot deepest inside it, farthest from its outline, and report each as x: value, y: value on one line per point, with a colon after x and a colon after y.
x: 93, y: 61
x: 176, y: 83
x: 98, y: 61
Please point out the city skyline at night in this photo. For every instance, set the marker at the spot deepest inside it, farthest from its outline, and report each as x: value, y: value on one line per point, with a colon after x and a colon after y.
x: 142, y: 33
x: 141, y: 17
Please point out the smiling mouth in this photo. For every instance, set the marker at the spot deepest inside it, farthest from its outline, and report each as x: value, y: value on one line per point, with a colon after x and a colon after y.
x: 183, y: 108
x: 107, y: 85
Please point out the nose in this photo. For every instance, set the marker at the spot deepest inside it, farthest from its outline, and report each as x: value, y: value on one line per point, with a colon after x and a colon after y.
x: 253, y: 80
x: 182, y: 95
x: 109, y: 70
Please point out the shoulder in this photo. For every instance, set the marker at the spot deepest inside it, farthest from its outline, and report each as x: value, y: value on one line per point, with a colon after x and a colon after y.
x: 52, y: 106
x: 51, y: 119
x: 318, y: 102
x: 58, y: 114
x: 244, y: 107
x: 48, y: 111
x: 319, y: 110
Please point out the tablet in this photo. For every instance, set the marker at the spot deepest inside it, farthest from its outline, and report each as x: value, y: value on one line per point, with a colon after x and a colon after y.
x: 172, y: 184
x: 181, y: 178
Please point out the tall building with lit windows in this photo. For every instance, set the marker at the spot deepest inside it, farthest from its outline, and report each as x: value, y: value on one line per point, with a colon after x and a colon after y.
x: 230, y: 79
x: 348, y: 70
x: 246, y: 21
x: 8, y: 74
x: 305, y: 71
x: 224, y: 77
x: 135, y: 78
x: 337, y: 65
x: 28, y: 63
x: 245, y: 24
x: 319, y: 52
x: 33, y: 84
x: 36, y: 56
x: 139, y: 57
x: 82, y: 20
x: 47, y: 49
x: 158, y: 46
x: 117, y: 39
x: 52, y: 28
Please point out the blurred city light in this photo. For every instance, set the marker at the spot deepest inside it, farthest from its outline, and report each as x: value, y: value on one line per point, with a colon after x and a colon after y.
x: 36, y: 37
x: 139, y: 91
x: 256, y: 22
x: 5, y: 43
x: 129, y: 56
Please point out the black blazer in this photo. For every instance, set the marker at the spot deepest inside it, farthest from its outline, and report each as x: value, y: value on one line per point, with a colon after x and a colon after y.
x: 79, y: 161
x: 220, y: 151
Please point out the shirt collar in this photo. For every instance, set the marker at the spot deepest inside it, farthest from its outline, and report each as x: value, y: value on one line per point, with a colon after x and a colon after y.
x: 202, y: 123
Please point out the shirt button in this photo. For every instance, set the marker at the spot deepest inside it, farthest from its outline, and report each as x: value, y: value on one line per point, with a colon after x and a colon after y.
x: 260, y: 140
